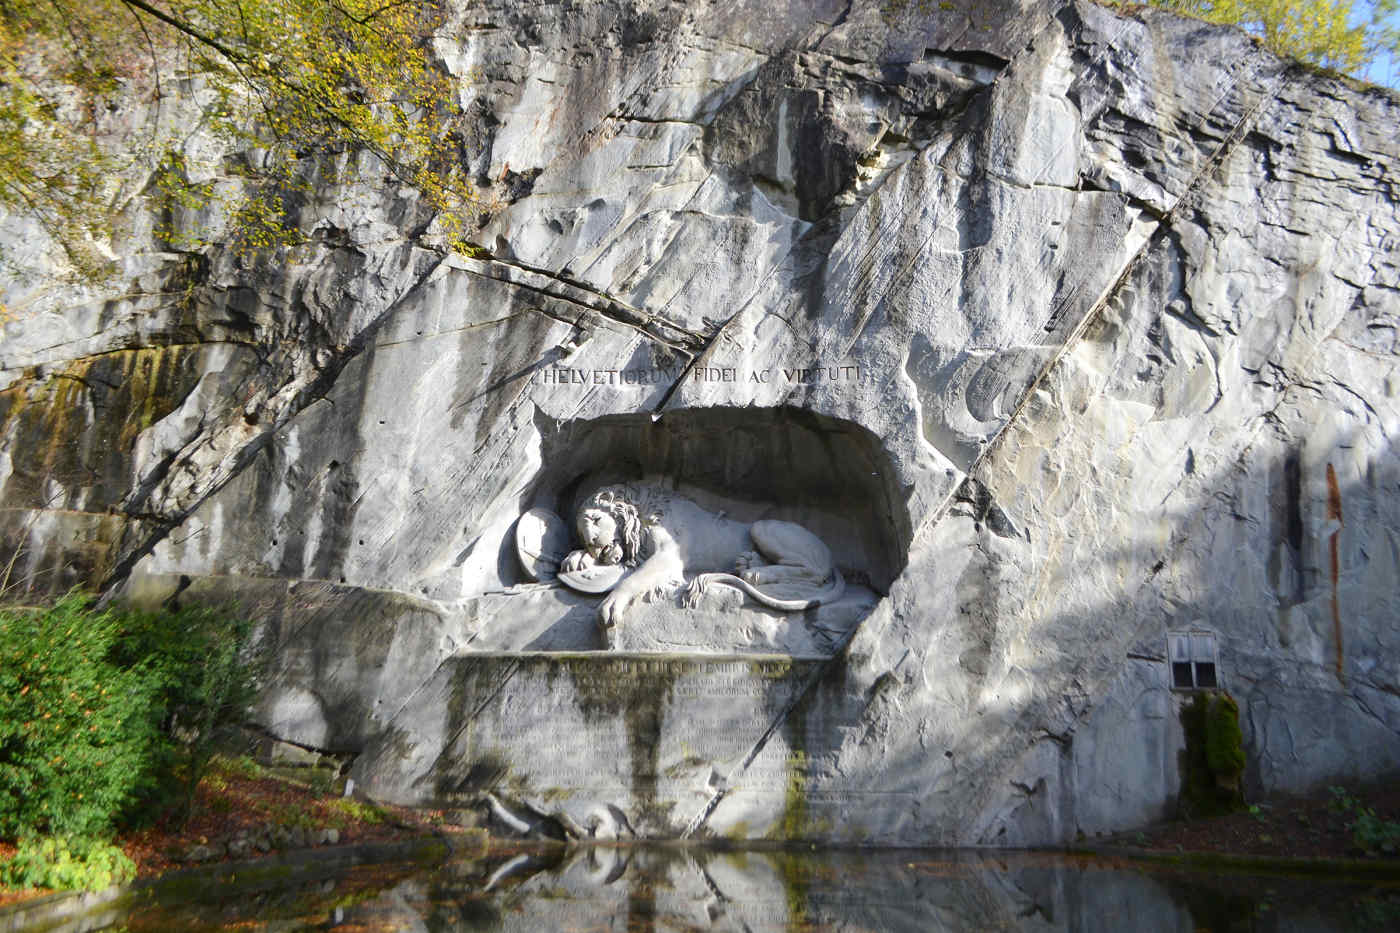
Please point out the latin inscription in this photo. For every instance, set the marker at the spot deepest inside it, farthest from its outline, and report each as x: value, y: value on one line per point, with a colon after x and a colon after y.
x: 810, y: 374
x: 724, y: 706
x: 686, y: 679
x: 685, y: 725
x: 609, y: 669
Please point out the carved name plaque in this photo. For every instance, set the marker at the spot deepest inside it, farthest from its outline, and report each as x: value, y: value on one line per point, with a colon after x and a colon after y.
x: 658, y: 738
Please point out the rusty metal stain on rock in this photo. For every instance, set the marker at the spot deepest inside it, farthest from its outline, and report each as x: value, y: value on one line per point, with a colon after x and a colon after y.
x: 1334, y: 515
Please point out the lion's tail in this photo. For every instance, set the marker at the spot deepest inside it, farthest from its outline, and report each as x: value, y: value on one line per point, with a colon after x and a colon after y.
x: 832, y: 591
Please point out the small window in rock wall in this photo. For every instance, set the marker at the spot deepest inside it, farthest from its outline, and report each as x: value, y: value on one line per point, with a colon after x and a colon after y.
x: 1192, y: 657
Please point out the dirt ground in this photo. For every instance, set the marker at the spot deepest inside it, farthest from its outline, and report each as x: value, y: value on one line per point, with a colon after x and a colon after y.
x: 237, y: 798
x: 1321, y: 825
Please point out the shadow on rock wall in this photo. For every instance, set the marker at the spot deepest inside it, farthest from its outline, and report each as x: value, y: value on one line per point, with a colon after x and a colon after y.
x: 1044, y: 706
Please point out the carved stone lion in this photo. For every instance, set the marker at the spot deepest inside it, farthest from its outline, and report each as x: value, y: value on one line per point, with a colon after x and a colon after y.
x: 669, y: 539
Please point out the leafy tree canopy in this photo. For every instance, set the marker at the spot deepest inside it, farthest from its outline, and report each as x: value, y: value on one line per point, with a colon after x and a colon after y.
x: 288, y: 79
x: 1335, y: 34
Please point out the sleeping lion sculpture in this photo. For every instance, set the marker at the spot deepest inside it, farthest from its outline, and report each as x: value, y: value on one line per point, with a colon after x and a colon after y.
x: 667, y: 540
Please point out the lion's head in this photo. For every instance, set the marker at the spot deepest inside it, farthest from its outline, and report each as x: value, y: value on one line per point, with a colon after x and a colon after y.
x: 625, y: 505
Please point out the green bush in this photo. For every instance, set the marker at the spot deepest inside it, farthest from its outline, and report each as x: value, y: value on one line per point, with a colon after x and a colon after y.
x: 66, y: 863
x: 344, y: 810
x: 1224, y: 739
x: 78, y: 733
x: 206, y: 671
x: 1370, y: 833
x: 106, y: 715
x: 1213, y: 760
x: 1373, y: 834
x: 238, y: 766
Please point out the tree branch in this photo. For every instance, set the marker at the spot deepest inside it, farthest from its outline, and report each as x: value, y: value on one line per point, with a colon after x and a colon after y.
x: 187, y: 29
x: 150, y: 44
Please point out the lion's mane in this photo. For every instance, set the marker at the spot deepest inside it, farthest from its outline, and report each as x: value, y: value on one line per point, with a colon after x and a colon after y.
x: 632, y: 507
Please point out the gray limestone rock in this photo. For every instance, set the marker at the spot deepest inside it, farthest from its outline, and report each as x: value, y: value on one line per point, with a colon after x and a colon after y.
x: 1063, y: 330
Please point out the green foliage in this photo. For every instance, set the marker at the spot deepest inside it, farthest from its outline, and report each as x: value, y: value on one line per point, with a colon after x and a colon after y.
x: 207, y: 676
x: 102, y: 715
x: 1342, y: 801
x: 294, y: 84
x: 1213, y: 760
x: 1224, y: 740
x: 237, y: 766
x: 357, y: 811
x: 1322, y: 32
x: 1372, y: 834
x: 79, y: 734
x: 66, y: 863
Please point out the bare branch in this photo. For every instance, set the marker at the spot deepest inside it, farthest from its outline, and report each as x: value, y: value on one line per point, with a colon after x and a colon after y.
x: 67, y: 21
x: 187, y: 29
x: 372, y: 15
x: 150, y: 44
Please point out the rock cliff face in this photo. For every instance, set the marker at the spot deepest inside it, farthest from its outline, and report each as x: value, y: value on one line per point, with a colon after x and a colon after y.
x: 1066, y: 331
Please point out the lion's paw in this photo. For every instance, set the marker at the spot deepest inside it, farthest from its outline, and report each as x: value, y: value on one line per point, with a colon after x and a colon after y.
x: 746, y: 560
x: 694, y: 591
x: 610, y: 610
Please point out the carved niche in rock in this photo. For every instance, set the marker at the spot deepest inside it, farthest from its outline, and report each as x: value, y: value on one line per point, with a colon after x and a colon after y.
x: 640, y: 541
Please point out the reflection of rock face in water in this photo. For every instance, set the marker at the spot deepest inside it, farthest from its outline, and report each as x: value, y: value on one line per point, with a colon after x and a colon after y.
x: 642, y: 889
x: 1065, y: 329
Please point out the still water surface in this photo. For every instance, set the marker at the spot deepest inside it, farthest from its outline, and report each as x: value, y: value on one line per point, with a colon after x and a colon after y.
x: 642, y: 889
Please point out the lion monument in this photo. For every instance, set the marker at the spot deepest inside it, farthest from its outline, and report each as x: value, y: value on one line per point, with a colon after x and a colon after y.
x: 666, y: 539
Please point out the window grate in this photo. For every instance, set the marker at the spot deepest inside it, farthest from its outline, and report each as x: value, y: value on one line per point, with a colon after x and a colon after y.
x: 1193, y: 659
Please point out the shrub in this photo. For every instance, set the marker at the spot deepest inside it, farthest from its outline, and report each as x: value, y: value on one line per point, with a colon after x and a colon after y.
x: 238, y: 766
x: 206, y: 671
x: 66, y: 863
x: 344, y: 810
x: 1213, y: 760
x: 102, y: 715
x: 1372, y: 834
x: 78, y: 733
x: 1225, y: 740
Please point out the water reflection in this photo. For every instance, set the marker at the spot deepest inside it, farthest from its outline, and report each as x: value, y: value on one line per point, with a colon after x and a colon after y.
x: 666, y: 888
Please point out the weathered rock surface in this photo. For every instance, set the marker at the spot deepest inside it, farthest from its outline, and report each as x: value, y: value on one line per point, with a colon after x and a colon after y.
x: 1064, y: 330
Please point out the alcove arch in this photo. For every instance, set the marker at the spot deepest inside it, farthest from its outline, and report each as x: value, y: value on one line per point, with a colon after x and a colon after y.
x: 830, y: 475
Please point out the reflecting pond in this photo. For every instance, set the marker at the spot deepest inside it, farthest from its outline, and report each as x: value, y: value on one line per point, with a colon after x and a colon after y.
x: 671, y: 888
